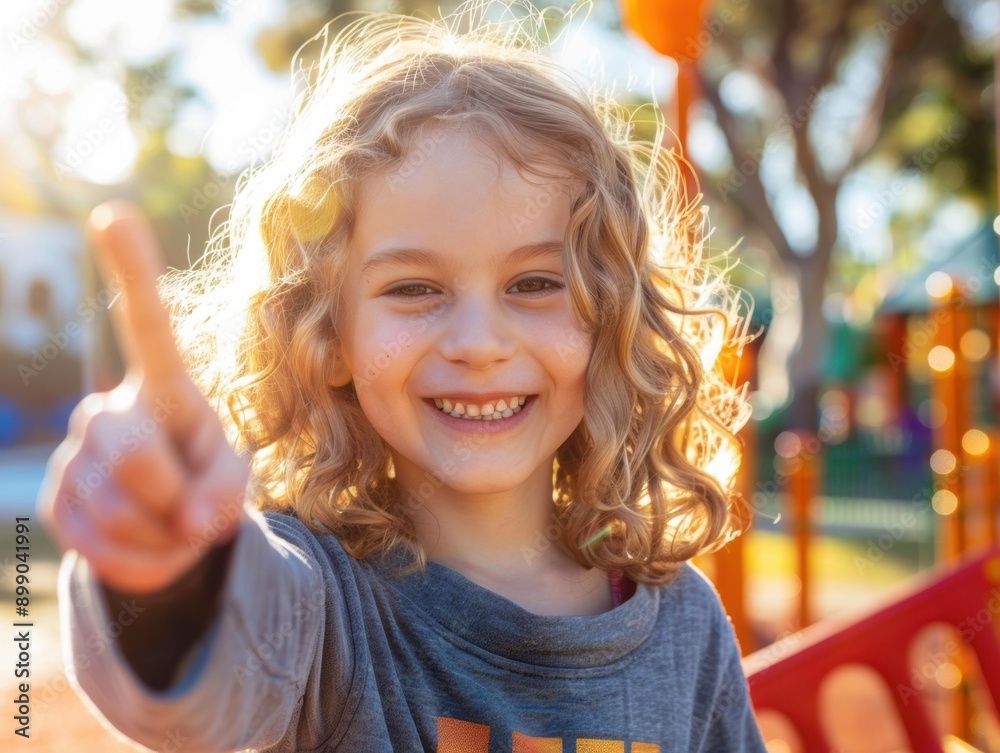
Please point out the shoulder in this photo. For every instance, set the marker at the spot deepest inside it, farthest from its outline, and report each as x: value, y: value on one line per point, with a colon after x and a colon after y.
x: 285, y: 524
x: 692, y: 601
x: 691, y: 591
x: 323, y: 551
x: 289, y: 527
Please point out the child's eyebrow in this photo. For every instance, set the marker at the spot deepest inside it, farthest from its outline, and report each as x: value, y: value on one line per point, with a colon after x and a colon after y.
x: 425, y: 257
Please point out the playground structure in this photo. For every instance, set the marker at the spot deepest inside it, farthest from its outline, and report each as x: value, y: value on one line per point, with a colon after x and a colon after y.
x: 921, y: 671
x: 966, y: 598
x: 963, y: 593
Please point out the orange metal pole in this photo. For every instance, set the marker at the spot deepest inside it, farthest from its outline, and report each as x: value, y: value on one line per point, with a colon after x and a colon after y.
x: 947, y: 385
x: 729, y: 570
x: 802, y: 470
x: 992, y: 465
x: 950, y: 385
x: 980, y: 482
x: 992, y: 506
x: 687, y: 92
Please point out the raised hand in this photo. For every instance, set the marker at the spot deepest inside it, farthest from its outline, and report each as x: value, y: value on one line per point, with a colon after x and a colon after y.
x: 145, y: 481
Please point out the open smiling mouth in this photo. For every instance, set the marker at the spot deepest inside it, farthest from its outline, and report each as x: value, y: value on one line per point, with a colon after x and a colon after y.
x: 458, y: 417
x: 491, y: 411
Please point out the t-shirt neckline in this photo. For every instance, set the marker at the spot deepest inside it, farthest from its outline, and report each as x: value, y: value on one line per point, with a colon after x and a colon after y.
x: 499, y: 626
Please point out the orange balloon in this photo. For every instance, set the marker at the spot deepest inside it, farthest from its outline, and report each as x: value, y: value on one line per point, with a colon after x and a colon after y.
x: 671, y: 27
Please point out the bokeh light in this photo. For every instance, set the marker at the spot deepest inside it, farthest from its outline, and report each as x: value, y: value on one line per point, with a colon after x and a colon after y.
x: 944, y: 502
x: 975, y: 345
x: 975, y: 442
x: 787, y: 444
x: 941, y: 358
x: 938, y: 285
x: 948, y: 675
x: 943, y: 462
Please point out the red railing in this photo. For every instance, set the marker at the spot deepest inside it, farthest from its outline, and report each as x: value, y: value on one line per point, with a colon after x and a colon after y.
x: 789, y: 683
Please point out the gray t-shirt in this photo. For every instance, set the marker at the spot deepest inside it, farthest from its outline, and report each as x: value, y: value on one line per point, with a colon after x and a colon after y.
x: 313, y: 650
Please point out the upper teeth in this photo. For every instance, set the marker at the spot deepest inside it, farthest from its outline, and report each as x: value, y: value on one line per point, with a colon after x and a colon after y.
x: 487, y: 411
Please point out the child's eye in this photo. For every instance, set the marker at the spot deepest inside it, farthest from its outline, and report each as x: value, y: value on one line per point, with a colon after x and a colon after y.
x: 398, y: 292
x: 411, y: 291
x: 538, y: 281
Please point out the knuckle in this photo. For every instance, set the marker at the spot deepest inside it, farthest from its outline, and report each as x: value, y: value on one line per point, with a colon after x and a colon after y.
x: 99, y: 433
x: 45, y: 513
x: 73, y: 483
x: 56, y: 491
x: 84, y: 411
x: 55, y: 467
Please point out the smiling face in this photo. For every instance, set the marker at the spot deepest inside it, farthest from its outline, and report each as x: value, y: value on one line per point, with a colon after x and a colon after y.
x: 481, y: 312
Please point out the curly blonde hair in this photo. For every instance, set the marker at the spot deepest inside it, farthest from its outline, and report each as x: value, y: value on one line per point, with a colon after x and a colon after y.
x: 646, y: 480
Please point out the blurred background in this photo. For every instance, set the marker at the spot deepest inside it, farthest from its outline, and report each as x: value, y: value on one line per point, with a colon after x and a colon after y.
x: 846, y: 148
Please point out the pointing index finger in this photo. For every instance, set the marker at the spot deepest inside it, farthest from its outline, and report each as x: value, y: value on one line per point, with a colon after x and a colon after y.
x: 130, y: 257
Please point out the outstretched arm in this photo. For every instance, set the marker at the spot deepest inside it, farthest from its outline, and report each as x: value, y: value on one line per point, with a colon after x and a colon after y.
x: 146, y: 594
x: 249, y: 667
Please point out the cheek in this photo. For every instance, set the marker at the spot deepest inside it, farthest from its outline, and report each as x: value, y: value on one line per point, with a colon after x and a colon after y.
x: 373, y: 409
x: 383, y: 346
x: 568, y: 350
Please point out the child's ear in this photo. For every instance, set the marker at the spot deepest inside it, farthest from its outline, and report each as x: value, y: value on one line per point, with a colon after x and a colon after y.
x: 341, y: 375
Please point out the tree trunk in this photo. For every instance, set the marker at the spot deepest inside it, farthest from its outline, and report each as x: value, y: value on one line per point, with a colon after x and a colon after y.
x: 805, y: 365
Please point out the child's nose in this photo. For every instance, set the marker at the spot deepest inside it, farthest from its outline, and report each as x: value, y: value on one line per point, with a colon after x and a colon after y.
x: 478, y: 331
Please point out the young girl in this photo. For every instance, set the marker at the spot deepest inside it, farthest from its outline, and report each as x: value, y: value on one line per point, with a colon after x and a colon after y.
x: 464, y: 349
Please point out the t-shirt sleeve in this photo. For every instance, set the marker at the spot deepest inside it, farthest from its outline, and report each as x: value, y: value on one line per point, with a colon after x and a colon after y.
x: 243, y: 683
x: 726, y: 723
